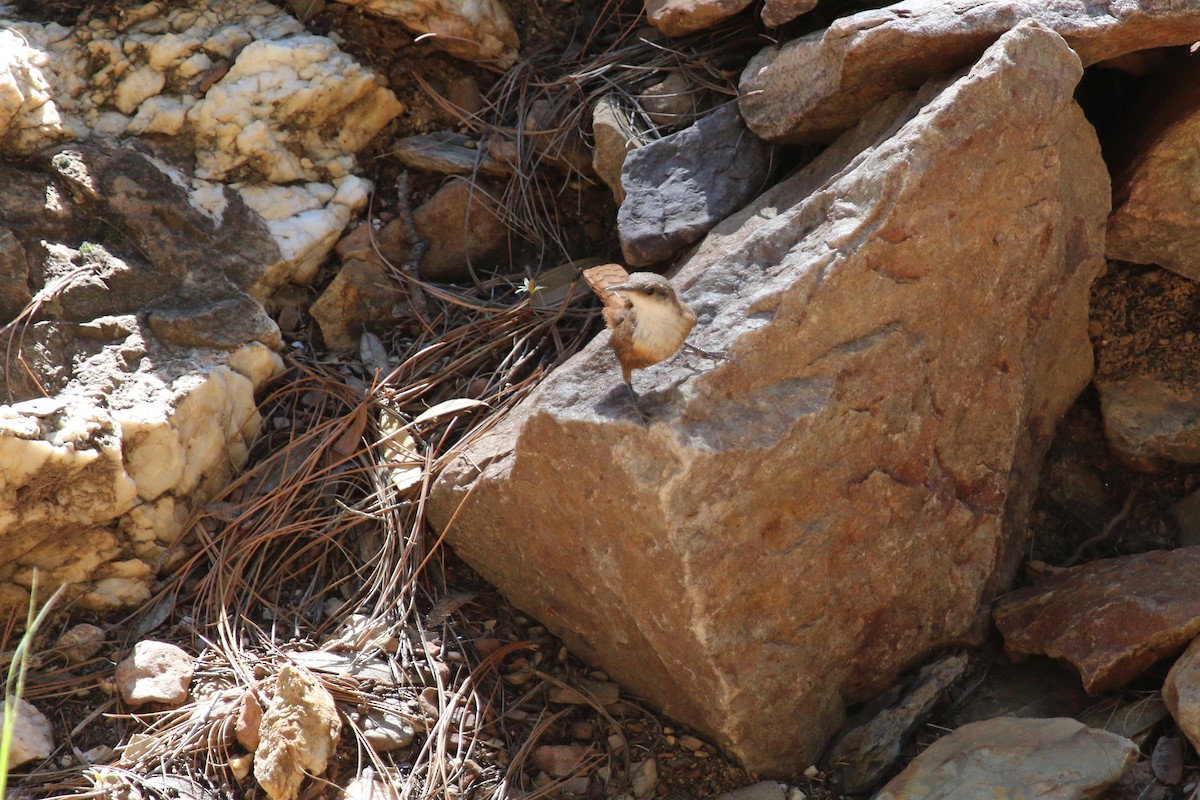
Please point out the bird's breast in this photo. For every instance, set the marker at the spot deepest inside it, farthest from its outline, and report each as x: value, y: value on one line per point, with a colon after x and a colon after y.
x: 660, y: 329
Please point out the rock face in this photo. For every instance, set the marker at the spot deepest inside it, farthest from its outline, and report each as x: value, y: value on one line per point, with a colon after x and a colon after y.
x: 1016, y: 759
x: 678, y: 187
x: 1154, y: 195
x: 845, y: 493
x: 151, y: 341
x: 134, y: 279
x: 255, y: 93
x: 1110, y: 619
x: 814, y: 87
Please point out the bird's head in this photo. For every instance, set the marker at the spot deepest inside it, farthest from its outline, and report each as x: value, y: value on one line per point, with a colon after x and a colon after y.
x: 644, y: 288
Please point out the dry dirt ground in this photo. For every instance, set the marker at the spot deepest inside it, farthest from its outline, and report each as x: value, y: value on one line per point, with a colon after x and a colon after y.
x: 1090, y: 505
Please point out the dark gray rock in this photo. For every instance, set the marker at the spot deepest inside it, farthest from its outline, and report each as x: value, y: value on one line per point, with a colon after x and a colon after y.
x: 678, y: 188
x: 868, y: 752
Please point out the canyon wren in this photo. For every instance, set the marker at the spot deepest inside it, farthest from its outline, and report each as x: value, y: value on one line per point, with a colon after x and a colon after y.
x: 648, y: 322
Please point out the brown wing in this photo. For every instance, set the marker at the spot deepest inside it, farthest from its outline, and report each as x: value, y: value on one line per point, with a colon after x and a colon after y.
x: 600, y: 279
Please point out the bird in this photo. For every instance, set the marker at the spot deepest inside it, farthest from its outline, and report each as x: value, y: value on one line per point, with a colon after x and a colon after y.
x: 648, y: 321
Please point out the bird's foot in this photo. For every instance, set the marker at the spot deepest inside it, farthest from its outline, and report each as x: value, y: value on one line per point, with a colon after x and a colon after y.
x: 691, y: 348
x: 637, y: 405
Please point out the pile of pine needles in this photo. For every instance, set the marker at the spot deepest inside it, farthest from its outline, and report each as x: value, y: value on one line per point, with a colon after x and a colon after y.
x: 319, y: 549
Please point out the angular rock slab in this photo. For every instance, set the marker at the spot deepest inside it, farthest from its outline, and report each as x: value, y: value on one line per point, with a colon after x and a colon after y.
x: 778, y: 12
x: 1181, y: 692
x: 814, y: 87
x: 679, y: 187
x: 1147, y: 421
x: 843, y: 495
x: 1015, y: 758
x: 867, y: 753
x: 1154, y: 218
x: 1110, y: 619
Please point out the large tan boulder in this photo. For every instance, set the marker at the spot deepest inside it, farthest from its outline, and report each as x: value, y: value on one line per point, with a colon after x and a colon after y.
x: 905, y: 322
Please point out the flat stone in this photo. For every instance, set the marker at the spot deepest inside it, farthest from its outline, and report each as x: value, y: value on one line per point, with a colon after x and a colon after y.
x: 1148, y: 421
x: 1013, y: 759
x: 672, y: 102
x: 904, y: 322
x: 604, y: 693
x: 1154, y: 218
x: 80, y: 642
x: 362, y: 296
x: 816, y: 86
x: 449, y: 153
x: 679, y: 187
x: 681, y: 17
x: 763, y: 790
x: 1036, y: 687
x: 1110, y: 619
x: 643, y: 778
x: 559, y: 760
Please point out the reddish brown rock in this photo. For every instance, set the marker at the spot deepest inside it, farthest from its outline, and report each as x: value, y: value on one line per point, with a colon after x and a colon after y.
x: 778, y: 12
x: 464, y: 227
x: 462, y: 224
x: 1110, y: 619
x: 814, y: 87
x: 1148, y: 421
x: 559, y: 760
x: 1181, y: 692
x: 904, y: 322
x: 362, y: 295
x: 681, y: 17
x: 1016, y: 759
x: 1155, y: 218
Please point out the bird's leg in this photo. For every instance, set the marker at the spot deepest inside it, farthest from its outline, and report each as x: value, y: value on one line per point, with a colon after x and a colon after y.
x: 637, y: 406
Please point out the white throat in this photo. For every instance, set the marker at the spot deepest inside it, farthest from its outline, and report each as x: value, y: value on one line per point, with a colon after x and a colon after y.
x: 661, y: 328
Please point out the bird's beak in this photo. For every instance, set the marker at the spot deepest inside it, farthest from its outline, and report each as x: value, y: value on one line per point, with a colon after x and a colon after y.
x: 621, y: 287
